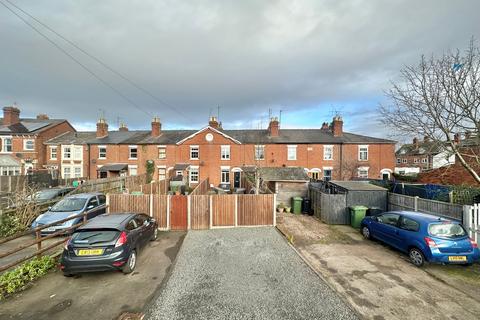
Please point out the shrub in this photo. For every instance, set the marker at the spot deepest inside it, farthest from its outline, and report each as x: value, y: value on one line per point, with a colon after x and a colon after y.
x: 17, y: 279
x: 9, y: 225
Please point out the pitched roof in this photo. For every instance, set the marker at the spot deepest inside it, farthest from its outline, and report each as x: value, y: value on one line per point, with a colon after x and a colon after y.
x: 297, y: 136
x: 421, y: 148
x: 29, y: 126
x: 357, y: 186
x: 283, y: 174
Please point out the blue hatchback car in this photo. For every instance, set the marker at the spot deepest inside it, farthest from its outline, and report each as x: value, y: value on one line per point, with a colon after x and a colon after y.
x: 426, y: 238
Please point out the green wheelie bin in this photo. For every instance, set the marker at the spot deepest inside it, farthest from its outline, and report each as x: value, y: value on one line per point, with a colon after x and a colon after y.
x: 357, y: 213
x: 297, y: 205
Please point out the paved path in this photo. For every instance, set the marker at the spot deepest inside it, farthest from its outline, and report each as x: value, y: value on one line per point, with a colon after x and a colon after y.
x: 244, y: 273
x: 96, y: 296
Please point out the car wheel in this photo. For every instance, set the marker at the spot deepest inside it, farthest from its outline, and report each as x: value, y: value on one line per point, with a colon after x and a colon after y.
x: 366, y: 233
x: 131, y: 263
x: 416, y: 257
x: 68, y: 274
x: 155, y: 234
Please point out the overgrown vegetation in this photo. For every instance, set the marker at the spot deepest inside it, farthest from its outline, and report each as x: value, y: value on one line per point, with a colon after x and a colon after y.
x: 465, y: 194
x: 150, y: 168
x: 9, y: 225
x: 18, y: 279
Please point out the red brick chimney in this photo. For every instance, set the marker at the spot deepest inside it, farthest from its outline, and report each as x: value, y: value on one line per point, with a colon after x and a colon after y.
x: 123, y: 127
x: 42, y: 116
x: 156, y: 127
x: 274, y: 127
x: 325, y: 126
x: 102, y: 128
x: 11, y: 115
x: 337, y: 126
x: 213, y: 122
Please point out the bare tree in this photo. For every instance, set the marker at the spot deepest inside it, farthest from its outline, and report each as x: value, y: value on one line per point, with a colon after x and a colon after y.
x: 438, y: 98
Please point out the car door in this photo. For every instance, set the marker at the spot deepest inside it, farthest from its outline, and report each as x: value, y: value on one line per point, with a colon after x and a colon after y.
x: 387, y: 226
x: 133, y: 233
x: 406, y: 233
x: 102, y: 203
x: 143, y: 226
x: 92, y: 207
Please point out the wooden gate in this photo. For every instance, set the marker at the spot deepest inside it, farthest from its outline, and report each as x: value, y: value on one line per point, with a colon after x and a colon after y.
x: 178, y: 213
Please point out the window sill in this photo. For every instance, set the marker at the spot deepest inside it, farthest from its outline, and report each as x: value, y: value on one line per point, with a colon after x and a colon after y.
x: 194, y: 158
x: 225, y: 159
x: 132, y: 158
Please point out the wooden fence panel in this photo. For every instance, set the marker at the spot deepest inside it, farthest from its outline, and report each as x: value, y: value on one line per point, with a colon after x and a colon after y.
x: 202, y: 188
x: 433, y: 207
x: 178, y: 213
x: 333, y: 209
x: 199, y: 212
x: 223, y: 210
x: 129, y: 203
x: 160, y: 210
x: 255, y: 210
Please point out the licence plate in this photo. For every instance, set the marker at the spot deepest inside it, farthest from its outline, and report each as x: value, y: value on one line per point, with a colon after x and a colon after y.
x: 90, y: 252
x: 49, y: 229
x: 457, y: 258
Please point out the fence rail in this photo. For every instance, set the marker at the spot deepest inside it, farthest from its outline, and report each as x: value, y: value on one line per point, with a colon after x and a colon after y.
x: 200, y: 211
x: 433, y: 207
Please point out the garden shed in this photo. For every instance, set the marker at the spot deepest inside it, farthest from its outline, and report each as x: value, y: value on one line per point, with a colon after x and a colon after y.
x: 331, y: 200
x: 286, y: 182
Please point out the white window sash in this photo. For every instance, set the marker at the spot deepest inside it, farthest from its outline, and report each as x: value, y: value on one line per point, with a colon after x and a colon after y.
x: 292, y: 152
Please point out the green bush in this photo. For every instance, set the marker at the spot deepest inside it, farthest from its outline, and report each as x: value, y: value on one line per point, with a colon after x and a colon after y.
x: 9, y: 225
x: 16, y: 280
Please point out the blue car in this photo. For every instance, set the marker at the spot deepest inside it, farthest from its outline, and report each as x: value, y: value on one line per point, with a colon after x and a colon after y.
x: 93, y: 203
x: 426, y: 238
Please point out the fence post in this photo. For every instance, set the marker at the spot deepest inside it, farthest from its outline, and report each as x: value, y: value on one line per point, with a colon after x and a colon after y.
x: 107, y: 202
x: 168, y: 212
x: 151, y: 205
x: 236, y: 210
x: 211, y: 211
x: 38, y: 236
x: 189, y: 220
x: 415, y: 203
x: 274, y: 210
x: 467, y: 219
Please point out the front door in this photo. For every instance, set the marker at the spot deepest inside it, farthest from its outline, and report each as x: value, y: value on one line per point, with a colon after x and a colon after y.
x: 236, y: 179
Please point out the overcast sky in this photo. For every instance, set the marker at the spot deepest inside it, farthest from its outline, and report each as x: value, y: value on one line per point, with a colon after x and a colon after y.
x: 307, y: 58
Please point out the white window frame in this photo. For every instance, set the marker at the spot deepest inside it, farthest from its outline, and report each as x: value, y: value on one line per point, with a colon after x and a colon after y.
x: 362, y: 169
x: 4, y: 144
x: 225, y: 170
x: 77, y: 152
x: 225, y: 152
x: 404, y: 161
x: 100, y: 152
x: 194, y: 149
x: 259, y: 147
x: 79, y: 175
x: 164, y: 168
x: 360, y: 147
x: 317, y: 172
x: 25, y: 141
x: 72, y: 171
x: 328, y: 152
x: 328, y: 169
x: 64, y: 174
x: 130, y: 148
x: 424, y: 160
x: 132, y: 167
x: 70, y: 153
x: 194, y: 171
x: 399, y: 160
x: 52, y: 153
x: 291, y: 152
x: 164, y: 153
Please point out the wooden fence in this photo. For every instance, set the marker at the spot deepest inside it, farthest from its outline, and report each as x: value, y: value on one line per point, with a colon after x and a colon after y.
x: 202, y: 188
x: 199, y: 212
x: 433, y: 207
x: 116, y: 184
x: 154, y: 187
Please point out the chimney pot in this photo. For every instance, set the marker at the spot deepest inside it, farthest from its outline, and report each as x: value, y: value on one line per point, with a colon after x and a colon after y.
x: 42, y: 116
x: 123, y: 127
x: 337, y: 126
x: 11, y: 115
x: 213, y: 122
x: 102, y: 128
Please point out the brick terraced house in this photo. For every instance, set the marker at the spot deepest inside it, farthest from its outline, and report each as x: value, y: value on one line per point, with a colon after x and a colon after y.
x: 220, y: 155
x: 22, y: 148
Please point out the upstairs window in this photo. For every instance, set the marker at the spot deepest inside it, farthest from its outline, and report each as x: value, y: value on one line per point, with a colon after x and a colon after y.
x: 102, y: 152
x: 424, y: 160
x: 404, y: 160
x: 363, y: 153
x: 77, y: 153
x: 399, y: 160
x: 327, y: 152
x: 53, y: 153
x: 292, y: 152
x: 28, y: 144
x: 194, y: 152
x: 162, y: 152
x: 259, y: 152
x: 132, y: 152
x: 225, y: 153
x: 67, y: 153
x: 7, y: 144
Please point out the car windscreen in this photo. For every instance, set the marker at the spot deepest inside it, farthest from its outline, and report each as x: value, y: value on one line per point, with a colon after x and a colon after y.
x: 69, y: 204
x: 446, y: 230
x: 94, y: 236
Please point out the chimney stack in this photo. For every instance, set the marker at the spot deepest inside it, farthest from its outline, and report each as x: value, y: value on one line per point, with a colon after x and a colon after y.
x: 11, y: 115
x: 156, y: 127
x: 415, y: 142
x: 456, y: 138
x: 325, y: 126
x: 213, y: 122
x: 337, y: 126
x: 102, y: 128
x: 123, y: 127
x: 42, y: 116
x: 274, y: 127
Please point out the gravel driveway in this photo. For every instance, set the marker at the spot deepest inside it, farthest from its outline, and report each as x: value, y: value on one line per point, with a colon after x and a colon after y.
x: 244, y: 273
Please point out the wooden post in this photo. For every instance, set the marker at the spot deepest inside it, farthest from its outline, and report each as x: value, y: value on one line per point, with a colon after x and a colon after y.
x: 39, y: 244
x: 211, y: 211
x: 107, y: 202
x: 168, y: 212
x: 151, y: 205
x: 236, y: 210
x: 274, y: 210
x: 189, y: 220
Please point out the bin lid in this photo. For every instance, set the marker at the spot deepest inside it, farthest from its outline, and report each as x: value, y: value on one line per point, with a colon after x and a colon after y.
x: 297, y: 198
x: 358, y: 208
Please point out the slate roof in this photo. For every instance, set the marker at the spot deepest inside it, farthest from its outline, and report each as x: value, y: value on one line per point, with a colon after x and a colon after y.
x: 357, y: 186
x: 29, y: 126
x: 283, y: 174
x: 421, y: 148
x: 297, y: 136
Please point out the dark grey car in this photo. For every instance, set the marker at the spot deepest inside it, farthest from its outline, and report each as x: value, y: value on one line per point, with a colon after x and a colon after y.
x: 108, y: 242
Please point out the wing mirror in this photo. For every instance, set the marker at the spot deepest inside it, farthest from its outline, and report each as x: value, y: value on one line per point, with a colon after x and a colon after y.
x: 50, y: 207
